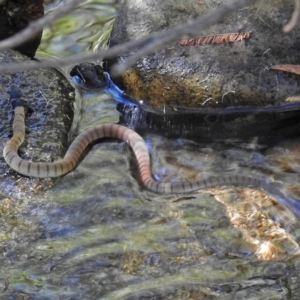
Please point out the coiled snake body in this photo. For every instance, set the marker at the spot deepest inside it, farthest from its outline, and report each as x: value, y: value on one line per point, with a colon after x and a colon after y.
x: 136, y: 142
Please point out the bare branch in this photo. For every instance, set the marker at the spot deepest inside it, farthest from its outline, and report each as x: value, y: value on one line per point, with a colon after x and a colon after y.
x: 294, y: 19
x: 36, y: 26
x: 145, y: 45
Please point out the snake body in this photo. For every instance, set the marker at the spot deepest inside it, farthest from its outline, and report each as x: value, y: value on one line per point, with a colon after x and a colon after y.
x: 72, y: 157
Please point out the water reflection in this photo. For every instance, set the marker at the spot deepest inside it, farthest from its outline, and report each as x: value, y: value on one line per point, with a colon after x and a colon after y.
x: 99, y: 235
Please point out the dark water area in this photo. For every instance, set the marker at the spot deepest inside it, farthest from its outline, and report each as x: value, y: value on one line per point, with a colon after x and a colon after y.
x: 98, y: 234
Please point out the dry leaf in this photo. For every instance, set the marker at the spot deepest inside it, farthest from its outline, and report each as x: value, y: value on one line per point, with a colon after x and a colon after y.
x: 215, y: 39
x: 287, y: 68
x: 292, y: 98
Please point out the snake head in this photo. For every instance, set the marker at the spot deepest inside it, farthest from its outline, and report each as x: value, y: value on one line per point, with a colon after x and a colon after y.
x: 89, y: 77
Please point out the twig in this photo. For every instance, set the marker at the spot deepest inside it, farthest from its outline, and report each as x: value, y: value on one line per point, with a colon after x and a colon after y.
x: 294, y: 19
x: 145, y: 45
x: 215, y: 39
x: 37, y: 26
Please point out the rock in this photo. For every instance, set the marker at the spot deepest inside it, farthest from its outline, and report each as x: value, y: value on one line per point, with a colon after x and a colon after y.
x: 213, y: 91
x: 213, y: 75
x: 51, y: 97
x: 15, y: 16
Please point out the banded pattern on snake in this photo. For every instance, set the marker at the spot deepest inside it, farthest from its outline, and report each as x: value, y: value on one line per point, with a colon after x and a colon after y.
x: 136, y: 142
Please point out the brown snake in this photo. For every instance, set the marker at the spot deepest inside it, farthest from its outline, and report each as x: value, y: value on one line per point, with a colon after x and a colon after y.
x: 136, y: 142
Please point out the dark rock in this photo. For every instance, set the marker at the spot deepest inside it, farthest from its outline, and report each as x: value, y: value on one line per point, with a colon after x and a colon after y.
x: 215, y: 124
x: 16, y: 15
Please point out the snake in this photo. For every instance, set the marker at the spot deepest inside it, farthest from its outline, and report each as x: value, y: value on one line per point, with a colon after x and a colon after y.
x: 91, y: 135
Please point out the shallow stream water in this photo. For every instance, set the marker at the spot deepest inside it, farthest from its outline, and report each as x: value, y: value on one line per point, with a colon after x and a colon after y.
x: 97, y: 234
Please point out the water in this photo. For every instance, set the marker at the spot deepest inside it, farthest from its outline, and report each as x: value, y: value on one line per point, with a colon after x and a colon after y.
x: 97, y: 234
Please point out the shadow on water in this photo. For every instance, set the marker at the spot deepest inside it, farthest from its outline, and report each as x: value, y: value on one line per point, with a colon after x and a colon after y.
x: 97, y: 234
